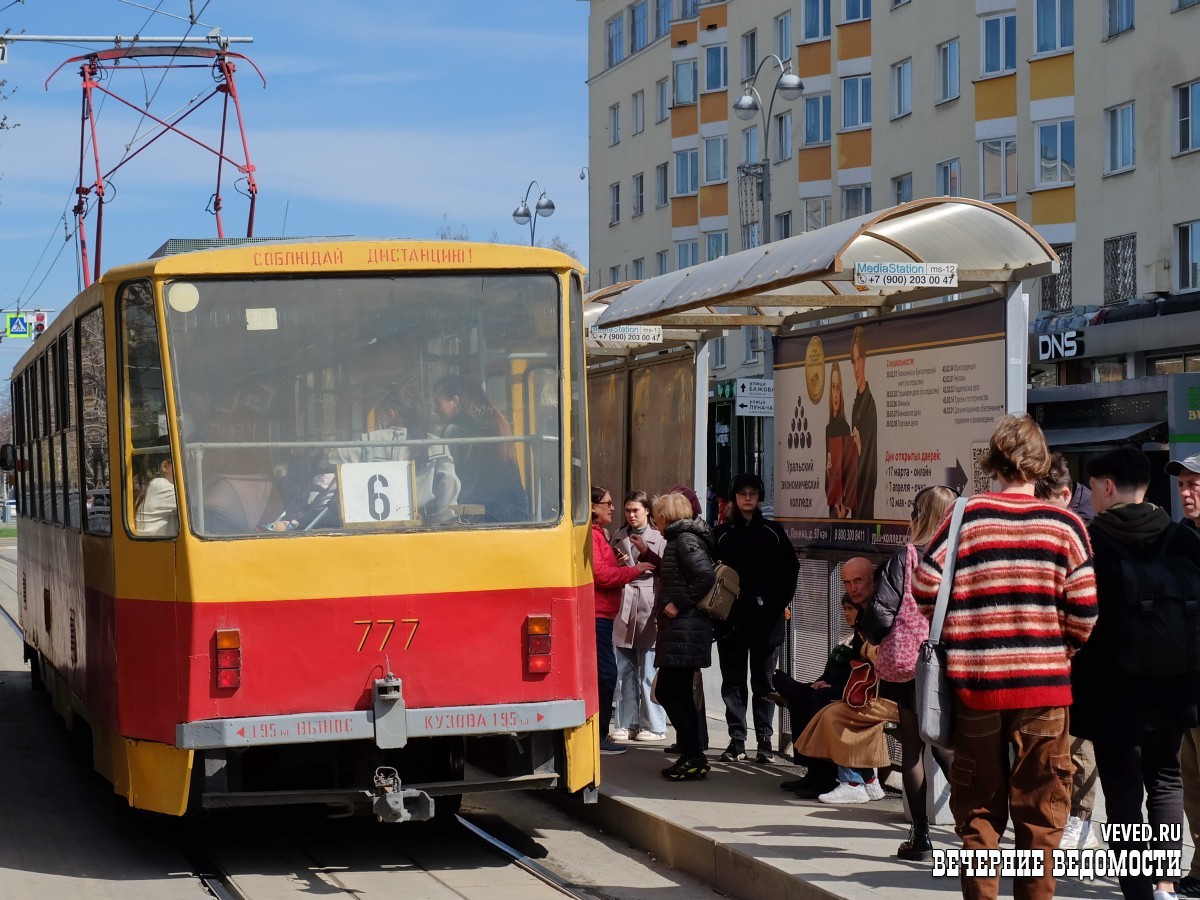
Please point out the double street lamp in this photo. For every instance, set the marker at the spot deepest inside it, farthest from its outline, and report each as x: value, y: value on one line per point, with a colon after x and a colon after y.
x: 790, y: 86
x: 522, y: 215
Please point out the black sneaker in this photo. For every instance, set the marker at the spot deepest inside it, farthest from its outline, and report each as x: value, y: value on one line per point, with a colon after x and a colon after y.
x: 735, y: 752
x: 610, y: 747
x: 764, y: 756
x: 1188, y: 887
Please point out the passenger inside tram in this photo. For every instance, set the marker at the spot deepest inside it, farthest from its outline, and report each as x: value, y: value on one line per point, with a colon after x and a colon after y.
x: 156, y: 507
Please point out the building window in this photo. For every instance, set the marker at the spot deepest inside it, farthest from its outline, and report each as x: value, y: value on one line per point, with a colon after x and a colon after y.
x: 857, y: 10
x: 639, y: 112
x: 639, y: 269
x: 750, y: 236
x: 1055, y: 25
x: 999, y: 44
x: 902, y: 89
x: 1056, y: 152
x: 783, y: 34
x: 856, y: 101
x: 717, y: 346
x: 685, y: 82
x: 689, y: 9
x: 1109, y: 369
x: 1189, y: 255
x: 1184, y: 4
x: 639, y: 26
x: 902, y: 188
x: 945, y: 181
x: 818, y: 119
x: 1118, y: 17
x: 662, y: 18
x: 783, y: 136
x: 856, y: 201
x: 639, y: 184
x: 782, y: 227
x: 751, y: 343
x: 818, y: 212
x: 662, y: 100
x: 716, y: 160
x: 615, y: 48
x: 614, y: 203
x: 687, y: 172
x: 716, y: 68
x: 660, y: 185
x: 662, y: 261
x: 947, y: 71
x: 816, y: 19
x: 1122, y: 152
x: 1189, y: 116
x: 749, y: 54
x: 750, y: 145
x: 1056, y: 289
x: 999, y: 170
x: 896, y: 3
x: 614, y: 124
x: 716, y: 244
x: 1120, y: 269
x: 688, y: 253
x: 614, y: 274
x: 1177, y: 364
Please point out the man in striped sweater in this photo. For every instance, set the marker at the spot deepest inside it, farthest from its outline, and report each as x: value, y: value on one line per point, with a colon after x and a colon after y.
x: 1023, y: 601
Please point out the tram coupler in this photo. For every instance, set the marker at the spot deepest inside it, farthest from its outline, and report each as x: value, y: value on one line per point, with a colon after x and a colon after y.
x: 391, y: 726
x: 396, y: 804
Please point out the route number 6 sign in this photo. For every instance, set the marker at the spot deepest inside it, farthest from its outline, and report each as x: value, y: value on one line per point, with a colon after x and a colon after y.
x: 376, y: 492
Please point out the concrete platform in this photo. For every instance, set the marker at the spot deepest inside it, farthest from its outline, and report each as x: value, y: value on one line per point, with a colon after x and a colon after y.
x: 738, y: 831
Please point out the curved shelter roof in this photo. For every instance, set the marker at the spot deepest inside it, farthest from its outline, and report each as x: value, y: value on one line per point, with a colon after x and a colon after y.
x: 801, y: 277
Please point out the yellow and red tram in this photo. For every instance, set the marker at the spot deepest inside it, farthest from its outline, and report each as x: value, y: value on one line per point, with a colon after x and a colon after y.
x: 308, y: 523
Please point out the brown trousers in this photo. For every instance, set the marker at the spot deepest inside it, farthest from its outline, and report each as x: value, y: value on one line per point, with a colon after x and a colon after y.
x: 1035, y: 788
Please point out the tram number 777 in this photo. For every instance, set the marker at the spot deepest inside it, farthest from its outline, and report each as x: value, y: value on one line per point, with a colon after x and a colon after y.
x: 390, y: 626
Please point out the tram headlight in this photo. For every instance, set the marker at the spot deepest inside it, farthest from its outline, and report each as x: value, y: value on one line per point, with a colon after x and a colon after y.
x: 537, y: 644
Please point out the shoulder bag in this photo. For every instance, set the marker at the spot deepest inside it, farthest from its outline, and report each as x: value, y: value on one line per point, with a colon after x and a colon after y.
x: 935, y: 699
x: 898, y: 651
x: 718, y: 602
x: 862, y: 686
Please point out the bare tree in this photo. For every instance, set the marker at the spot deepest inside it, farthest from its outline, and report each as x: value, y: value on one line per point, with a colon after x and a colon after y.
x: 448, y: 232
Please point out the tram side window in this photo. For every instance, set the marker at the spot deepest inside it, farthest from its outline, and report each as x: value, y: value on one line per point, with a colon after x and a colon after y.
x: 18, y: 436
x: 54, y: 426
x: 45, y: 451
x: 94, y: 421
x: 580, y: 490
x: 150, y: 472
x: 69, y: 430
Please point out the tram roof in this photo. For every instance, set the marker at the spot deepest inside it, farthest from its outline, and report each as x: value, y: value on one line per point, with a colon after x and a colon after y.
x: 811, y: 275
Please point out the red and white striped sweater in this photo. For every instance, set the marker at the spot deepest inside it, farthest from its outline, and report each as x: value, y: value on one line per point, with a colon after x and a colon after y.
x: 1024, y: 592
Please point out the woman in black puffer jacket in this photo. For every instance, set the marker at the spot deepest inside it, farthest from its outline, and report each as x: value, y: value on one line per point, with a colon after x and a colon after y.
x: 685, y: 634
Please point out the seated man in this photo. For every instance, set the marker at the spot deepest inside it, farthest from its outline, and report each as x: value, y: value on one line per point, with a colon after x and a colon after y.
x: 805, y: 700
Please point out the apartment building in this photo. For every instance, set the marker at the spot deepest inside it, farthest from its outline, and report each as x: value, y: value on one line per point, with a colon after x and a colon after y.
x: 1081, y: 117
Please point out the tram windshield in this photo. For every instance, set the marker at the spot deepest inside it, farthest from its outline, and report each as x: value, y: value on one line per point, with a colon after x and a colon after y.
x: 368, y: 402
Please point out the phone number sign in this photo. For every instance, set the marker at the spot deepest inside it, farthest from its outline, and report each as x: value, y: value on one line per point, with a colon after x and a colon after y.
x: 905, y: 274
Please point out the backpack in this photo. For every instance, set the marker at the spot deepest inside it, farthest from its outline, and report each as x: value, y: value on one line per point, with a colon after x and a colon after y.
x: 718, y: 602
x: 1159, y: 614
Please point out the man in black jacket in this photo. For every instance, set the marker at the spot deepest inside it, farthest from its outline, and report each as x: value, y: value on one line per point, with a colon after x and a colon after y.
x: 1127, y: 700
x: 762, y: 554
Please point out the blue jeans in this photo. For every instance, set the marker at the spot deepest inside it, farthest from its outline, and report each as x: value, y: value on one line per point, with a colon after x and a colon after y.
x: 635, y: 676
x: 855, y: 776
x: 606, y: 672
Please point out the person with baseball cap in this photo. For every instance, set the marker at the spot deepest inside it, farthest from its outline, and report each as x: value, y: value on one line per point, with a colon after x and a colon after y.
x: 1186, y: 473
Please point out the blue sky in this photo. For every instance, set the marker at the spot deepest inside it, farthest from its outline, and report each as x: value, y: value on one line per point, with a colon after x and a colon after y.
x: 379, y: 118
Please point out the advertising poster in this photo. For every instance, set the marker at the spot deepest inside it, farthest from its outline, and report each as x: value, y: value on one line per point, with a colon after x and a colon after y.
x: 868, y: 414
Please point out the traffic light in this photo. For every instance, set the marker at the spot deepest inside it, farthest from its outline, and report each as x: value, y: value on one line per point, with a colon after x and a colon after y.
x: 724, y: 390
x: 39, y: 323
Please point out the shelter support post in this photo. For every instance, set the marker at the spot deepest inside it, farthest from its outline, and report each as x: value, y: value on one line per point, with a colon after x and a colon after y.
x: 700, y: 432
x: 1016, y: 344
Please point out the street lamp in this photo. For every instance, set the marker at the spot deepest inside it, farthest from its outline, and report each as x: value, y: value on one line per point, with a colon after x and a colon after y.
x: 750, y: 103
x: 543, y: 207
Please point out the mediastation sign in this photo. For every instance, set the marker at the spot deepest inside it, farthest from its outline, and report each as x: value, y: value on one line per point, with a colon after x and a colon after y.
x: 868, y: 414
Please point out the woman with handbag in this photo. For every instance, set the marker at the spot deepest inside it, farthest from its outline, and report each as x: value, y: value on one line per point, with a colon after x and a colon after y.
x: 685, y: 634
x: 1018, y: 601
x: 898, y: 625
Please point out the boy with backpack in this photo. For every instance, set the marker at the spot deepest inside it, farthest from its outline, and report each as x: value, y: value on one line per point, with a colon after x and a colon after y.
x: 1136, y: 681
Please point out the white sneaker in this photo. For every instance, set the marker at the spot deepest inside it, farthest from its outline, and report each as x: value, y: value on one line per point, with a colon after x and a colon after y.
x: 1078, y: 835
x: 647, y: 735
x: 619, y: 734
x: 875, y: 790
x: 1164, y: 895
x: 846, y: 793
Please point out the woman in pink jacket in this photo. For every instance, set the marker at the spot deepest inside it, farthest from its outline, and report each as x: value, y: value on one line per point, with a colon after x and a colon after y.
x: 610, y: 577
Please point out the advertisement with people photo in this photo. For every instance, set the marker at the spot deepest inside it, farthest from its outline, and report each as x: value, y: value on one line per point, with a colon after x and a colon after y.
x: 869, y: 413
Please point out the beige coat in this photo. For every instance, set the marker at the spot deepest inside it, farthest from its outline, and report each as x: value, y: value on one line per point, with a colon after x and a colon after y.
x: 848, y: 736
x: 634, y: 625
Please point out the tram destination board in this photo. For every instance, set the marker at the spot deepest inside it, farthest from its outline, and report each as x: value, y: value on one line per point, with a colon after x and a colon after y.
x: 905, y: 274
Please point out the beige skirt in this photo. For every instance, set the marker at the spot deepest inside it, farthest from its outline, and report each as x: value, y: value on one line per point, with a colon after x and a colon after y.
x: 848, y: 736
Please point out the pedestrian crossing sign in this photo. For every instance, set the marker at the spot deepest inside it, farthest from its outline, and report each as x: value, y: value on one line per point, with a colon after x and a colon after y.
x: 17, y: 325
